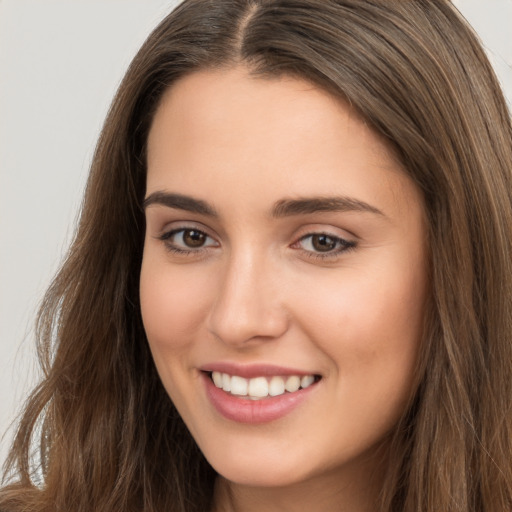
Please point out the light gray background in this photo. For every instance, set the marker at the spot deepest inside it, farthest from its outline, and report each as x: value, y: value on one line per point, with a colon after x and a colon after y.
x: 60, y: 63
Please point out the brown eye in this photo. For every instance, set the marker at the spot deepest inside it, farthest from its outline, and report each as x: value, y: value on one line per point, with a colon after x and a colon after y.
x: 193, y: 238
x: 187, y: 240
x: 323, y: 243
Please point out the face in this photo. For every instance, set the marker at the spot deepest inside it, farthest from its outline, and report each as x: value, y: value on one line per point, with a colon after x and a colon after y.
x: 283, y: 281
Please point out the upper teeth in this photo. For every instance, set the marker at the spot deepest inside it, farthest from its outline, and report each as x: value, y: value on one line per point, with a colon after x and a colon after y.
x: 260, y: 387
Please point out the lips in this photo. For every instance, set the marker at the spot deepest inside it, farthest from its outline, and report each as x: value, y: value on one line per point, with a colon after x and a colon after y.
x: 256, y: 394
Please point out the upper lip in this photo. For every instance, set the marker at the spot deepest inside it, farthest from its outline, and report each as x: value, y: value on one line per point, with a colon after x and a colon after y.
x: 249, y: 371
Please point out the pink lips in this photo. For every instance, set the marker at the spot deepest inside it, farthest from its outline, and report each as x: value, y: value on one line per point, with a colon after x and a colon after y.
x: 253, y: 370
x: 243, y: 410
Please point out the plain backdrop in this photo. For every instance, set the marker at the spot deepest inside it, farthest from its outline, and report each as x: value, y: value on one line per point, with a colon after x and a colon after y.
x: 60, y: 64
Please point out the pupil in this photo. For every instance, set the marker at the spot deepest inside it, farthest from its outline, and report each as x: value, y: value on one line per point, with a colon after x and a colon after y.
x: 323, y: 243
x: 193, y: 238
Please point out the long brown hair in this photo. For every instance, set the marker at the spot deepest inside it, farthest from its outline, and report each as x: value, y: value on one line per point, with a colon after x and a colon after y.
x: 109, y: 438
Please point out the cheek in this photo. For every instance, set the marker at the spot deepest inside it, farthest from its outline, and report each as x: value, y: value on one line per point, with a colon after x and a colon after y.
x: 359, y: 307
x: 369, y: 323
x: 171, y: 305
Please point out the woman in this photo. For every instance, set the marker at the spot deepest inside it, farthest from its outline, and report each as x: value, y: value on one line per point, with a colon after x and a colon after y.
x: 291, y: 285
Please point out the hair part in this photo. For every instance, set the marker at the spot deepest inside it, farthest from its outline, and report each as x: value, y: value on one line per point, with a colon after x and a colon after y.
x: 110, y: 437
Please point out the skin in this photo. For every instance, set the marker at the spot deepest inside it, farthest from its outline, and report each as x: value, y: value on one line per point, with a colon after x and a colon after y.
x: 259, y: 291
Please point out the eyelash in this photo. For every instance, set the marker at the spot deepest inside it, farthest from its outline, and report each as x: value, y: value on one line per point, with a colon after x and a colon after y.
x: 343, y: 245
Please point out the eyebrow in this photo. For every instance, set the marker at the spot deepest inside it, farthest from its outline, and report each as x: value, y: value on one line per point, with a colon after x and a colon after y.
x: 180, y: 202
x: 282, y: 208
x: 302, y: 206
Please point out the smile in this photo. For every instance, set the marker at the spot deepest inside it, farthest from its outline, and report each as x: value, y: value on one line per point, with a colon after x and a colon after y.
x: 258, y: 388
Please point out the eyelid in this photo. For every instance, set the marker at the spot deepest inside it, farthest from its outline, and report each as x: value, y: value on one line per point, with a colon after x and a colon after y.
x: 171, y: 232
x: 173, y: 225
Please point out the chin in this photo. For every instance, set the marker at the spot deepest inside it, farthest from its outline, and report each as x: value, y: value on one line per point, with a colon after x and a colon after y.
x: 260, y: 466
x: 260, y: 475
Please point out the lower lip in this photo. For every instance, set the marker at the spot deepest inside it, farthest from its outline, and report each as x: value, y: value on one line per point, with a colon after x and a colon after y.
x: 243, y: 410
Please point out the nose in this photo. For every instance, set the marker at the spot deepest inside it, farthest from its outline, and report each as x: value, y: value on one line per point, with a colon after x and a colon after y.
x: 248, y: 308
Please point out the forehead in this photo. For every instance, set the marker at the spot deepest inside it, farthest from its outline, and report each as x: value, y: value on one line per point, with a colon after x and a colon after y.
x: 204, y: 105
x: 261, y: 134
